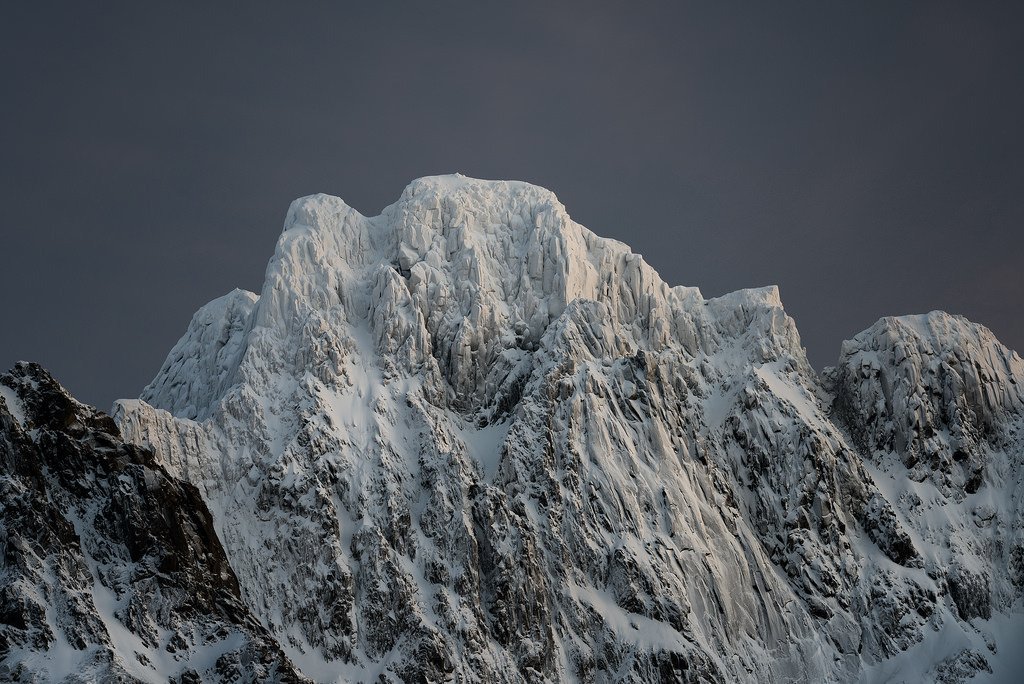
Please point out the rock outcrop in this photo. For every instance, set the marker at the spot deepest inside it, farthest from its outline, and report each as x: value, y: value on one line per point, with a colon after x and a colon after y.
x: 110, y: 568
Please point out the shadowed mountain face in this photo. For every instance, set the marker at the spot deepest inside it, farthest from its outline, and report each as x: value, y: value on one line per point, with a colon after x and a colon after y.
x: 111, y: 568
x: 469, y: 440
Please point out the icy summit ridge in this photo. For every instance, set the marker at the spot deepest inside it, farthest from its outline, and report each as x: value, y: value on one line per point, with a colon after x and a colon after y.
x: 456, y: 264
x: 468, y: 438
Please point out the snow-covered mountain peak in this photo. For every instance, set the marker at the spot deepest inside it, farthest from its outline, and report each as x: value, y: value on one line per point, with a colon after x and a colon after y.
x: 934, y: 388
x: 947, y: 359
x: 935, y: 333
x: 188, y: 379
x: 504, y: 449
x: 319, y: 211
x: 462, y: 274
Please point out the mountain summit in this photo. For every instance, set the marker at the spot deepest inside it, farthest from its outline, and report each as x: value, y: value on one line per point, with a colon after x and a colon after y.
x: 469, y: 440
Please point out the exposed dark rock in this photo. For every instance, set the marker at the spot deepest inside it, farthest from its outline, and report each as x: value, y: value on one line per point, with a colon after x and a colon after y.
x: 110, y: 567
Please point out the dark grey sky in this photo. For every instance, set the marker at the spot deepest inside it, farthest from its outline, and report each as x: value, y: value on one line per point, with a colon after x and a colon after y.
x: 866, y: 157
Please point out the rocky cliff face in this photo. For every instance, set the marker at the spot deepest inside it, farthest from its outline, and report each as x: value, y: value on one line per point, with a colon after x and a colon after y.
x: 936, y: 406
x: 110, y: 569
x: 468, y: 440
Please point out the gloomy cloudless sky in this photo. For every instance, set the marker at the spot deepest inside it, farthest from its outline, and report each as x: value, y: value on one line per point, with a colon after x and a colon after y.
x: 866, y: 157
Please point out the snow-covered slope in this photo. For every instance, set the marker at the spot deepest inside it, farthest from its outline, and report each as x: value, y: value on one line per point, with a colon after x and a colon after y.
x: 110, y: 569
x: 936, y: 405
x: 469, y: 439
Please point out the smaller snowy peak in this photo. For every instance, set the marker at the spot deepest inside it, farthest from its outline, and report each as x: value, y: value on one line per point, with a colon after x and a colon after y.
x: 937, y: 346
x: 200, y: 367
x: 936, y: 332
x: 318, y: 210
x: 934, y: 387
